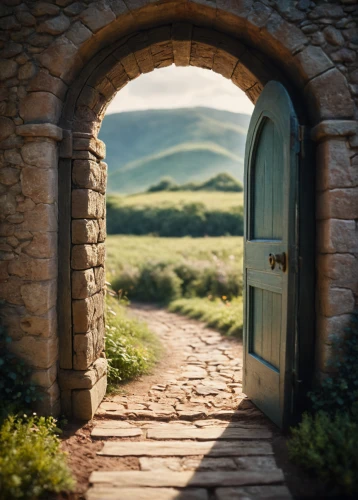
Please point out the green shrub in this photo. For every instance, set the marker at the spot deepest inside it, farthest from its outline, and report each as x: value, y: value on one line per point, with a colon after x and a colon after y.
x: 326, y: 442
x: 220, y: 182
x: 17, y: 393
x: 327, y: 446
x: 31, y: 462
x: 188, y: 219
x: 131, y: 349
x: 164, y: 282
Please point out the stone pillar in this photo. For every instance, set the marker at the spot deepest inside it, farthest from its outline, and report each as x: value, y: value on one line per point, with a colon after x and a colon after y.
x: 29, y: 254
x: 337, y: 235
x: 83, y: 366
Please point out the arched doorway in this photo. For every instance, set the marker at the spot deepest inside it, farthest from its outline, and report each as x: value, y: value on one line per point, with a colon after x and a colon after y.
x: 82, y: 179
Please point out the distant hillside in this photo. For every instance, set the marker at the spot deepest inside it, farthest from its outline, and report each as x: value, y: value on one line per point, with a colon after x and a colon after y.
x: 188, y: 144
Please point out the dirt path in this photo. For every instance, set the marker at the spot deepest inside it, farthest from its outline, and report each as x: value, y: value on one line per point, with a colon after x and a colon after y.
x: 186, y: 432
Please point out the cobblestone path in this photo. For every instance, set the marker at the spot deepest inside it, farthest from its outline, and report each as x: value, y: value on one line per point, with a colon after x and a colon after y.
x: 195, y: 434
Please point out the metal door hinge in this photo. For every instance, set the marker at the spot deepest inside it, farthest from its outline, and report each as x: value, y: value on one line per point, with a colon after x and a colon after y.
x: 295, y: 379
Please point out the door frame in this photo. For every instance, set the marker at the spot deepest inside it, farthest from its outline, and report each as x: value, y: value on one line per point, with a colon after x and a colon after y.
x: 300, y: 352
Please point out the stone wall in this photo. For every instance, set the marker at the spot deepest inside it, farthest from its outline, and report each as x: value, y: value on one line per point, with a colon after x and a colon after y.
x: 60, y: 64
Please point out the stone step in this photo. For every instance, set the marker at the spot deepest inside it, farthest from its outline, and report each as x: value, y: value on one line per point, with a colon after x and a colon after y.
x: 209, y: 433
x: 253, y: 493
x: 164, y: 479
x: 185, y: 448
x: 100, y: 432
x: 108, y: 493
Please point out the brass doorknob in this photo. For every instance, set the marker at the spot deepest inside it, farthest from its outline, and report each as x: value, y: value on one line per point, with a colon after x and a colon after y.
x: 277, y: 258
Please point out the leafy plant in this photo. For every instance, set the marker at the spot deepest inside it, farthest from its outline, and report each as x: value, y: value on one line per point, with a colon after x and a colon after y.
x: 17, y: 393
x: 326, y: 441
x: 131, y: 349
x: 31, y: 462
x: 339, y: 390
x: 327, y: 446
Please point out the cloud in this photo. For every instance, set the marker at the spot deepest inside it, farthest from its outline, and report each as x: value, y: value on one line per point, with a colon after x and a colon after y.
x: 174, y: 87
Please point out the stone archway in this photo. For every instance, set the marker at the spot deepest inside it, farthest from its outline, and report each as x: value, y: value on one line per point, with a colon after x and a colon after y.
x: 80, y: 56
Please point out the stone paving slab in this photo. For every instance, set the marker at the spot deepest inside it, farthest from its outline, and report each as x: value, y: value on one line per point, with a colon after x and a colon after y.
x: 209, y: 433
x: 185, y: 448
x: 254, y: 493
x: 100, y: 432
x: 113, y: 493
x: 163, y: 479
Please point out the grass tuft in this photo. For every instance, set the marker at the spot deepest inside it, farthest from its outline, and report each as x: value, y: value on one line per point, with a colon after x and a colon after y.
x: 222, y: 314
x: 131, y: 348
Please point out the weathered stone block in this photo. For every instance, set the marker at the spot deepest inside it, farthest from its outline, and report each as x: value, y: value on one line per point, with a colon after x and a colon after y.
x: 99, y: 277
x: 50, y: 402
x: 75, y: 379
x: 43, y: 326
x: 45, y: 378
x: 328, y: 328
x: 29, y: 268
x: 10, y: 290
x: 78, y: 33
x: 84, y: 256
x: 87, y: 204
x: 40, y: 154
x: 39, y: 297
x: 310, y: 62
x: 334, y: 168
x: 328, y: 97
x: 7, y: 127
x: 337, y: 204
x: 40, y: 130
x: 45, y: 82
x: 59, y: 57
x: 83, y: 351
x: 94, y: 146
x: 38, y: 353
x: 55, y: 25
x: 39, y: 184
x: 83, y: 284
x: 40, y: 107
x: 284, y: 37
x: 89, y: 174
x: 334, y: 301
x: 102, y: 229
x: 85, y: 231
x: 8, y: 69
x: 334, y: 235
x: 334, y: 128
x: 42, y: 218
x: 86, y: 312
x: 42, y: 246
x: 86, y: 402
x: 342, y: 269
x: 9, y: 175
x: 97, y: 16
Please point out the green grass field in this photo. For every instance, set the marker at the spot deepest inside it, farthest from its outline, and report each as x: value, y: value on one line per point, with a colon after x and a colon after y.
x: 212, y: 200
x: 198, y: 277
x: 137, y: 250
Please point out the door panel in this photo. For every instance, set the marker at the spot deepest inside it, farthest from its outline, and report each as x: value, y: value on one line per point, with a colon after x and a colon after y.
x: 270, y: 242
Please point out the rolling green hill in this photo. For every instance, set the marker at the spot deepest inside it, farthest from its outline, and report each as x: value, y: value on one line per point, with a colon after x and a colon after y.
x: 188, y: 144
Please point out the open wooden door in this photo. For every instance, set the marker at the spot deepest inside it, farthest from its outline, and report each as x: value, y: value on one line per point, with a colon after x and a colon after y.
x: 271, y: 254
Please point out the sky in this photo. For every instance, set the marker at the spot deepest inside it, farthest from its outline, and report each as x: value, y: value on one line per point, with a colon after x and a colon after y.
x: 174, y: 87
